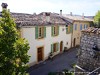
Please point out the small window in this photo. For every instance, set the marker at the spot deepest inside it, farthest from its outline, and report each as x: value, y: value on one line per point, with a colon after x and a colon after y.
x: 69, y: 29
x: 55, y: 30
x: 40, y: 32
x: 54, y: 47
x: 80, y: 26
x: 85, y: 26
x: 75, y: 26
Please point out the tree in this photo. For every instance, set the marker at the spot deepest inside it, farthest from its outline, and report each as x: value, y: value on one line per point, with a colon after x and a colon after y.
x: 13, y: 50
x: 97, y: 19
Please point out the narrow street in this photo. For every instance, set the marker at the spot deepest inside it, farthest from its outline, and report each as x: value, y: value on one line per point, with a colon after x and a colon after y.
x: 60, y: 62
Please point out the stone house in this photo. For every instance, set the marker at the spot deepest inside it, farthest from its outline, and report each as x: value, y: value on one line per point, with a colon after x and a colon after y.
x: 79, y: 23
x: 45, y: 32
x: 88, y: 55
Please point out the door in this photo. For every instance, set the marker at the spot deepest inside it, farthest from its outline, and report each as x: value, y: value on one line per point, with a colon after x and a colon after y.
x: 61, y: 46
x: 40, y: 54
x: 54, y: 47
x: 74, y: 42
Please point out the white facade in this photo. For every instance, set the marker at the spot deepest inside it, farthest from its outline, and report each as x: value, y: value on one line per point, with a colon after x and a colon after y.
x: 29, y: 34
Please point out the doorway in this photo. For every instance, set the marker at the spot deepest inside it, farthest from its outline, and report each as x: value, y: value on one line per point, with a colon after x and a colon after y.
x: 40, y: 54
x: 74, y: 42
x: 61, y: 46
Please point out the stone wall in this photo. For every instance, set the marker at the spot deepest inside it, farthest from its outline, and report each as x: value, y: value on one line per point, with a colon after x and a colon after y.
x: 89, y: 58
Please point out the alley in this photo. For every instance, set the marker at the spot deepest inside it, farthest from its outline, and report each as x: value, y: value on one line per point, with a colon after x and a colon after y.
x: 60, y: 62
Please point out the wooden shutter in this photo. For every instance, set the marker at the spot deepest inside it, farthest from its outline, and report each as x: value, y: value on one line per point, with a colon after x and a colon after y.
x: 52, y: 30
x: 57, y: 46
x: 44, y: 31
x: 71, y: 28
x: 51, y: 47
x: 36, y: 32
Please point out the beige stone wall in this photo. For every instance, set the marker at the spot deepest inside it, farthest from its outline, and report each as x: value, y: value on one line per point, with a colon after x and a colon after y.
x: 77, y: 33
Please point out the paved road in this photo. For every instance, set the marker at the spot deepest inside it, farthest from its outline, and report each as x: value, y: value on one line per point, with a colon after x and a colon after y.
x: 60, y: 62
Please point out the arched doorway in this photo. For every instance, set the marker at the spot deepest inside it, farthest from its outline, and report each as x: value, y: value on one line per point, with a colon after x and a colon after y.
x: 61, y: 46
x: 74, y: 42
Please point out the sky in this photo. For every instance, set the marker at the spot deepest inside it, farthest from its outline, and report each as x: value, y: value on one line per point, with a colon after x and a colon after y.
x: 88, y: 7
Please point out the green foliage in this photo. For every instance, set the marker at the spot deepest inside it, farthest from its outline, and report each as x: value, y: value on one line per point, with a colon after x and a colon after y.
x: 13, y: 50
x: 97, y: 19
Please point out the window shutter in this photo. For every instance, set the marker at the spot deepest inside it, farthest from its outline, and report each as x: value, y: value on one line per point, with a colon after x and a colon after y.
x: 58, y: 30
x: 52, y: 30
x: 44, y: 31
x: 51, y: 47
x: 36, y: 32
x: 71, y: 28
x: 57, y: 47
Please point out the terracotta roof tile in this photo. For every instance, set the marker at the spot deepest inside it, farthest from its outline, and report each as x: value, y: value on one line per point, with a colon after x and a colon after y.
x: 92, y: 30
x: 79, y: 18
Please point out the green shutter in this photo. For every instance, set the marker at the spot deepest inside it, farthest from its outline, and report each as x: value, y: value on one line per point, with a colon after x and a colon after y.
x: 52, y: 30
x: 71, y: 28
x: 51, y: 47
x: 58, y: 30
x: 44, y: 31
x: 36, y: 32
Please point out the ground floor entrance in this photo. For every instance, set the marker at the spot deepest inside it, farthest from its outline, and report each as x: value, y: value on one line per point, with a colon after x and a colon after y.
x: 61, y: 46
x: 40, y: 53
x: 74, y: 42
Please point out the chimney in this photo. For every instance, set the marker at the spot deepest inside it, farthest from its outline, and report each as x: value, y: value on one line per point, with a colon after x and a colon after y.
x: 4, y: 5
x: 71, y: 14
x: 47, y: 16
x: 82, y: 15
x: 60, y: 12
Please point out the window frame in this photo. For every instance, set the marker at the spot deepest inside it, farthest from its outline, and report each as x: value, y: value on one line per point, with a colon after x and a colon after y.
x: 75, y: 26
x: 55, y: 30
x: 42, y: 32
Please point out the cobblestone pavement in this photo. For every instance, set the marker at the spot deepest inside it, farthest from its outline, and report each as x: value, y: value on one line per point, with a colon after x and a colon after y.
x: 59, y: 62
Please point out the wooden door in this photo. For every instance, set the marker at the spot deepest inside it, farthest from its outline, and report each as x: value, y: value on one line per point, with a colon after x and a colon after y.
x: 74, y: 42
x: 54, y: 47
x: 61, y: 46
x: 40, y: 54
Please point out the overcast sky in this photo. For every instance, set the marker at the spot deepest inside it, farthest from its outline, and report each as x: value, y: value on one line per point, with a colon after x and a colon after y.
x: 88, y: 7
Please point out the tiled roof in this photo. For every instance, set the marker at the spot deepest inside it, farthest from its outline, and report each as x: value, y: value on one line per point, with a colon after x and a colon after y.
x: 92, y: 30
x: 40, y: 19
x: 77, y: 18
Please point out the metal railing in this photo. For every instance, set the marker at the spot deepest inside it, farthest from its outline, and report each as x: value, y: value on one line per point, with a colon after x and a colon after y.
x: 93, y: 71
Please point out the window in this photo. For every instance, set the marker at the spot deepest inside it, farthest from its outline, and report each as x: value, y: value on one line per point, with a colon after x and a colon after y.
x: 69, y: 28
x: 55, y: 30
x: 85, y: 26
x: 40, y: 32
x: 75, y: 26
x: 80, y: 26
x: 54, y: 47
